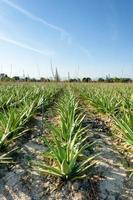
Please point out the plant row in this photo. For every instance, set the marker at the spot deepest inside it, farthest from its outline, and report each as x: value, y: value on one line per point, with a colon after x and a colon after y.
x: 66, y: 143
x: 14, y: 116
x: 116, y: 102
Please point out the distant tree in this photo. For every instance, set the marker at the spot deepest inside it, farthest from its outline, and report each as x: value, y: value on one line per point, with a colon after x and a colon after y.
x: 71, y: 80
x: 27, y: 79
x: 33, y: 80
x: 6, y: 79
x: 88, y: 79
x: 109, y: 79
x: 84, y: 80
x: 42, y: 79
x: 126, y: 80
x: 116, y: 79
x: 16, y: 78
x: 3, y: 76
x: 74, y: 80
x: 101, y: 80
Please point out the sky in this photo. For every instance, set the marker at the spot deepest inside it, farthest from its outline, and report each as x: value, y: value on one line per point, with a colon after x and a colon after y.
x: 87, y: 38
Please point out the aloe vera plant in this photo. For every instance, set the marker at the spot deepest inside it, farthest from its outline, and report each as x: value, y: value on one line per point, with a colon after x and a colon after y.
x: 18, y: 111
x: 103, y: 100
x: 70, y: 118
x: 125, y: 124
x: 66, y: 145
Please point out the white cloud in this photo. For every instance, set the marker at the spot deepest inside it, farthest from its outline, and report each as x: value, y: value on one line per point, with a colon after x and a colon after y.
x: 64, y: 33
x: 25, y: 46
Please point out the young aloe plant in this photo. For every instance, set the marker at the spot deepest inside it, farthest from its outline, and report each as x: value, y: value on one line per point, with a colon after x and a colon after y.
x: 18, y: 104
x: 125, y: 124
x: 12, y: 122
x: 66, y: 145
x: 69, y: 118
x: 104, y: 101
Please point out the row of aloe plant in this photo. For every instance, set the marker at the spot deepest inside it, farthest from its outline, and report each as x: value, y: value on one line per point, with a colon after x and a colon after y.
x: 116, y: 101
x: 14, y: 117
x: 66, y: 143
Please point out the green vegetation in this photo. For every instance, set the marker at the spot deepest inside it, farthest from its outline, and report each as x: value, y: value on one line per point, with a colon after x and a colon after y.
x: 17, y: 111
x: 67, y: 140
x: 116, y: 102
x: 67, y: 143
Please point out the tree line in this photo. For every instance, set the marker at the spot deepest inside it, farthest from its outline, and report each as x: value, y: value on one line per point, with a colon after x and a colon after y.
x: 56, y: 78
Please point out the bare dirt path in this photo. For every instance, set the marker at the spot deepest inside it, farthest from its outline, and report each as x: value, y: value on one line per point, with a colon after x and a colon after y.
x: 113, y: 183
x: 16, y: 183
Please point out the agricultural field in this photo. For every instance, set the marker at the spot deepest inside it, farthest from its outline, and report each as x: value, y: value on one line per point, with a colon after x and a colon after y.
x: 66, y: 141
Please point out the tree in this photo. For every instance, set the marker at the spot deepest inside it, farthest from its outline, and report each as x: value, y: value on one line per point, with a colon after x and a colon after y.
x: 101, y: 80
x: 88, y: 79
x: 16, y: 78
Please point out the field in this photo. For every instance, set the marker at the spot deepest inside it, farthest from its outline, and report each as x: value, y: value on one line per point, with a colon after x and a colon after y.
x: 66, y: 141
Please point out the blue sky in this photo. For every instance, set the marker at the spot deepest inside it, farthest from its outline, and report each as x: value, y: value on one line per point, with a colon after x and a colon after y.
x: 84, y: 37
